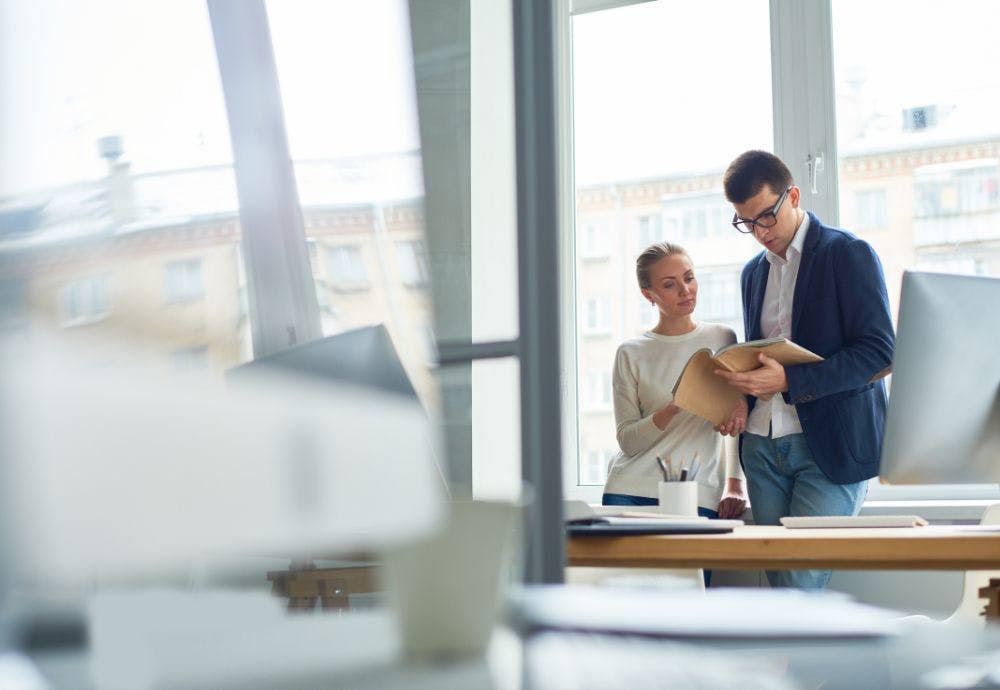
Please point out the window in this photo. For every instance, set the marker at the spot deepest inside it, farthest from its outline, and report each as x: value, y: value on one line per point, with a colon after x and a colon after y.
x: 956, y: 203
x: 412, y: 256
x: 718, y: 296
x: 358, y: 169
x: 872, y: 209
x: 345, y: 267
x: 184, y: 282
x: 86, y: 300
x: 594, y: 241
x: 649, y: 315
x: 595, y: 316
x: 108, y: 175
x: 597, y: 389
x: 650, y: 231
x: 655, y: 120
x: 917, y: 135
x: 594, y: 469
x: 919, y: 139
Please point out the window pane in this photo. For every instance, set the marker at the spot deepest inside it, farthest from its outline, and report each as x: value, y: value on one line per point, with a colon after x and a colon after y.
x: 919, y: 135
x: 118, y: 210
x: 346, y: 75
x: 665, y: 97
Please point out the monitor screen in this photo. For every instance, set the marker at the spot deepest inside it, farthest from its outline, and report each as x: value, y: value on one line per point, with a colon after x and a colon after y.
x: 943, y: 421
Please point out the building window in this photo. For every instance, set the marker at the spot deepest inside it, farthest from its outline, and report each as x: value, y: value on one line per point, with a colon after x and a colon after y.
x: 597, y: 389
x: 697, y: 216
x: 594, y: 470
x: 718, y: 296
x: 594, y: 241
x: 650, y: 230
x: 412, y: 257
x: 953, y: 189
x: 86, y: 300
x: 595, y: 316
x: 873, y: 212
x: 345, y: 267
x: 184, y: 281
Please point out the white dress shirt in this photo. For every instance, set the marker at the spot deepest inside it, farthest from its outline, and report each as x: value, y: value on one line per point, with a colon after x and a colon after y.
x: 776, y: 322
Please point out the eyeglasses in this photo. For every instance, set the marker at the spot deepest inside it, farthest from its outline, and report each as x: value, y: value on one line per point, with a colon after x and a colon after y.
x: 767, y: 219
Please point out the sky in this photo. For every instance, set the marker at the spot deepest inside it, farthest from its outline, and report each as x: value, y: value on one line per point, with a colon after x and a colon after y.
x: 72, y: 71
x: 660, y: 87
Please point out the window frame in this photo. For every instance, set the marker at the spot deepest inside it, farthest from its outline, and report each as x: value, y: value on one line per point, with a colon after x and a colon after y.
x: 805, y: 137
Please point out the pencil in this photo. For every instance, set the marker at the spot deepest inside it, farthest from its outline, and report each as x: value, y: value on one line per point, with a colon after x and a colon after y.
x: 663, y: 468
x: 694, y: 467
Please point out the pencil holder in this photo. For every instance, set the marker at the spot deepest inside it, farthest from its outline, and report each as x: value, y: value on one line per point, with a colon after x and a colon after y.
x: 679, y: 498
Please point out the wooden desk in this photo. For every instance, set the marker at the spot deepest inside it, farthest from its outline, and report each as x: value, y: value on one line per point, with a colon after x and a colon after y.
x: 755, y: 547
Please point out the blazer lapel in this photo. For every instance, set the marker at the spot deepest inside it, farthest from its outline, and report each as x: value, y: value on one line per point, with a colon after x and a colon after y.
x: 757, y: 295
x: 805, y: 271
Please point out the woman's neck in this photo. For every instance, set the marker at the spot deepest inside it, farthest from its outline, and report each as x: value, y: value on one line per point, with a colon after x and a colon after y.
x: 675, y: 326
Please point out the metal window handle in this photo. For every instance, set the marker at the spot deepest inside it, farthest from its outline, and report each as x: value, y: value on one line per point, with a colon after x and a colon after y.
x: 815, y: 165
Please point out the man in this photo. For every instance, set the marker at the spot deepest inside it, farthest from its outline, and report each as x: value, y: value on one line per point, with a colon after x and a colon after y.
x: 814, y: 431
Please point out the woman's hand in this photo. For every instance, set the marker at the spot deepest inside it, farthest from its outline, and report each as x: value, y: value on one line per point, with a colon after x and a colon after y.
x: 737, y: 422
x: 664, y: 415
x: 734, y: 501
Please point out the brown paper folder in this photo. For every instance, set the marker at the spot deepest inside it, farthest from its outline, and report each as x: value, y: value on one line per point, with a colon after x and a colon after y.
x: 700, y: 391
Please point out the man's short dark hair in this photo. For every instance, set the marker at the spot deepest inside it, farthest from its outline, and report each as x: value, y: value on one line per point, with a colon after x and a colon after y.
x: 747, y: 175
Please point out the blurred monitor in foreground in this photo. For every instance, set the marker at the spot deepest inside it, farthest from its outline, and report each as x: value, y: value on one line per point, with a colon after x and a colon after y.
x: 128, y: 470
x: 364, y: 356
x: 943, y: 422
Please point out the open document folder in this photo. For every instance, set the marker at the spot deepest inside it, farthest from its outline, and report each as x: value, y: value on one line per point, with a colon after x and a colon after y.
x: 583, y: 520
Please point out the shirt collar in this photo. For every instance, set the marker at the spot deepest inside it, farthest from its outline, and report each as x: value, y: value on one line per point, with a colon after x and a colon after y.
x: 795, y: 247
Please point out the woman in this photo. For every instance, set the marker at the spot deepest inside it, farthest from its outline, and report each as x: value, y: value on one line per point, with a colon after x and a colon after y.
x: 649, y: 424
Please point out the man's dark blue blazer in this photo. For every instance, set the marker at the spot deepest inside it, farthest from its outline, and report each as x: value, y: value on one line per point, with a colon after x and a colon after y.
x: 840, y: 311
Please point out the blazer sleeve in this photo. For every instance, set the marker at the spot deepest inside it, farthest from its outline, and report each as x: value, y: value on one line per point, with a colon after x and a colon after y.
x: 865, y: 323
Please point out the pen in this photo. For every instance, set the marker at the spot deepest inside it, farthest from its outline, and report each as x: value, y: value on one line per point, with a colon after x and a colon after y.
x: 663, y: 468
x: 694, y: 467
x: 670, y: 469
x: 684, y: 474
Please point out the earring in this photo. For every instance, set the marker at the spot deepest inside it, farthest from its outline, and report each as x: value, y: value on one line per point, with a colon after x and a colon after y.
x: 652, y: 303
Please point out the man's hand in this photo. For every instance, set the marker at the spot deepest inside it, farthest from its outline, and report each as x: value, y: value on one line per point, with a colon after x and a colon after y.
x: 737, y: 422
x: 762, y: 382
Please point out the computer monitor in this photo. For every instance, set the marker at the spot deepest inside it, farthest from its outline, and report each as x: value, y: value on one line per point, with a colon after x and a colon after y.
x: 364, y: 356
x: 943, y: 421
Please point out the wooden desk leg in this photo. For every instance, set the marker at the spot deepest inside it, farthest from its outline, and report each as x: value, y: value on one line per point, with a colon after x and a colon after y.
x: 333, y: 594
x: 301, y: 603
x: 991, y: 593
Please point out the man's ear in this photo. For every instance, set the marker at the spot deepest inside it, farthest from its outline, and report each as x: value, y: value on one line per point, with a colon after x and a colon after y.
x: 794, y: 195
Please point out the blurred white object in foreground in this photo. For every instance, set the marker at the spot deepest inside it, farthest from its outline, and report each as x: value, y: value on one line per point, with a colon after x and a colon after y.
x: 128, y: 470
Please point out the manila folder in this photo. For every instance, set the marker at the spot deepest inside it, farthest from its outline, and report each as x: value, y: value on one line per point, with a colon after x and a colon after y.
x: 700, y: 391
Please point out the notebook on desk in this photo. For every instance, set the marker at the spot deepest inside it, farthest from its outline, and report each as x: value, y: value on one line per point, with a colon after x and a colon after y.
x: 598, y: 525
x: 587, y: 520
x: 805, y: 522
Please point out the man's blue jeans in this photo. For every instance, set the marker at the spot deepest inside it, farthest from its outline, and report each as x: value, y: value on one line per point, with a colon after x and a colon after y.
x: 629, y: 500
x: 783, y: 479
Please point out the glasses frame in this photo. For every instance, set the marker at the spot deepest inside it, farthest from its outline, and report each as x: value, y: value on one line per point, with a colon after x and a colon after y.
x: 758, y: 220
